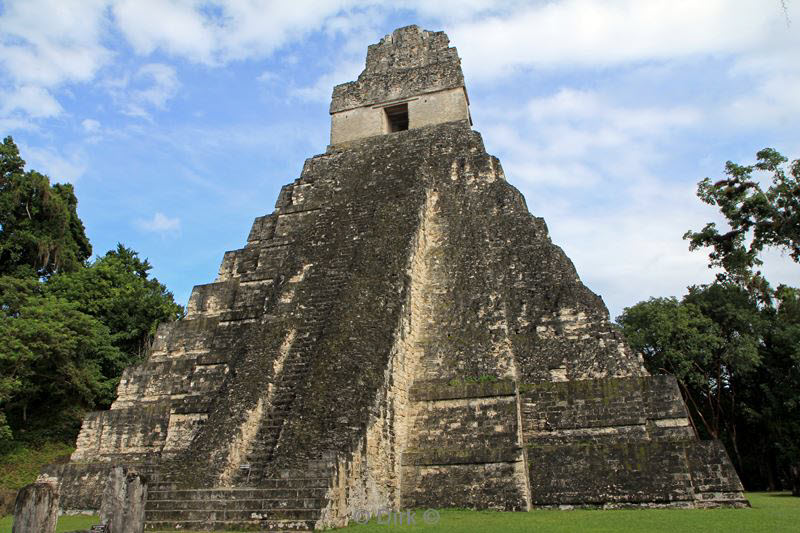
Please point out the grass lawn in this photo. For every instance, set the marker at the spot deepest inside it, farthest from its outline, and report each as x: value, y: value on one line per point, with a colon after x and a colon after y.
x: 65, y: 523
x: 771, y: 513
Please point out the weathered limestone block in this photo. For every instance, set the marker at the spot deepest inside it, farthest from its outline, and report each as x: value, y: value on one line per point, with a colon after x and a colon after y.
x: 263, y: 229
x: 36, y: 508
x: 713, y: 476
x: 124, y: 497
x: 466, y: 486
x: 211, y: 299
x: 608, y: 409
x: 426, y: 63
x: 81, y: 484
x: 424, y: 79
x: 138, y: 432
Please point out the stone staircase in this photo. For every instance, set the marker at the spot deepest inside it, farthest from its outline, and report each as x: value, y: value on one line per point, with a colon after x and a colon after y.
x: 328, y: 283
x: 263, y: 496
x: 278, y: 504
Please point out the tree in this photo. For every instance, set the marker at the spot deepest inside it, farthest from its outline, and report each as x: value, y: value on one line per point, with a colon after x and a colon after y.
x: 709, y: 342
x: 55, y: 361
x: 68, y: 327
x: 779, y: 385
x: 734, y: 345
x: 116, y: 290
x: 40, y: 231
x: 757, y: 218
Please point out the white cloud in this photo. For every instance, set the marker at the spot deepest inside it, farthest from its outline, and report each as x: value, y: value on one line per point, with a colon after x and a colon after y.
x: 323, y: 88
x: 632, y: 251
x: 256, y: 28
x: 151, y: 87
x: 8, y: 125
x: 577, y: 139
x: 268, y: 77
x: 177, y: 27
x: 592, y: 34
x: 59, y: 168
x: 771, y: 80
x: 90, y: 125
x: 34, y: 101
x: 215, y: 32
x: 160, y: 223
x: 48, y: 42
x: 163, y: 84
x: 588, y: 164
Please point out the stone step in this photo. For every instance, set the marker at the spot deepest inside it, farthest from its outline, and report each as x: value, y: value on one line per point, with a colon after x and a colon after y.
x: 260, y: 466
x: 212, y: 513
x: 272, y: 425
x: 240, y: 525
x: 313, y: 490
x: 276, y: 503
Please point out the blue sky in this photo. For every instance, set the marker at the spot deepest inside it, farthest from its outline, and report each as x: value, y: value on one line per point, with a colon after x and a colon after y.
x: 178, y: 121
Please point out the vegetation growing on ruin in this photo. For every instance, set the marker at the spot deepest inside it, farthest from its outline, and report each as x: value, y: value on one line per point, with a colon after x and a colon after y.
x: 483, y: 378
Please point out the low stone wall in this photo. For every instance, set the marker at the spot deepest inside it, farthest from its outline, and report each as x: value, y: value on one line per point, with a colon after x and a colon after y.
x: 588, y: 473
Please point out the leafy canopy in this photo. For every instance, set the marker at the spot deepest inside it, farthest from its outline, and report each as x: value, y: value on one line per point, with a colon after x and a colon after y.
x: 53, y: 357
x: 40, y: 232
x: 116, y: 290
x: 68, y: 327
x: 734, y: 345
x: 757, y: 218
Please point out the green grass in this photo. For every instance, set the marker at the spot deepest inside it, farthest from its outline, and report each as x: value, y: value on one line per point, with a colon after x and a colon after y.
x: 21, y: 466
x: 65, y: 523
x: 771, y: 513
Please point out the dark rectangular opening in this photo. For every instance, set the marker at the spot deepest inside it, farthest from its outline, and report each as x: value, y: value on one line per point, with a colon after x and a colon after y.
x: 397, y: 116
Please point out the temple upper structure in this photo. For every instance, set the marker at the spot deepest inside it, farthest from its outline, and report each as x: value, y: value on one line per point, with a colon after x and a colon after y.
x: 413, y: 78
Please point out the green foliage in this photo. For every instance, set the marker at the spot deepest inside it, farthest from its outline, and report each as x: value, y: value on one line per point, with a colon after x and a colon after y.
x: 738, y: 366
x: 21, y: 465
x: 52, y: 356
x: 734, y: 345
x: 775, y: 396
x: 40, y: 232
x: 710, y: 342
x: 68, y: 327
x: 116, y: 290
x: 673, y: 337
x: 757, y: 218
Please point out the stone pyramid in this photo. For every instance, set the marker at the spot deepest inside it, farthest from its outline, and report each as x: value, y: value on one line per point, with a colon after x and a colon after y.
x: 399, y: 333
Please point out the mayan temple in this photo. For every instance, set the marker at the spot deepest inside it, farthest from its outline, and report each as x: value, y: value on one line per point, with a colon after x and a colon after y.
x: 399, y: 333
